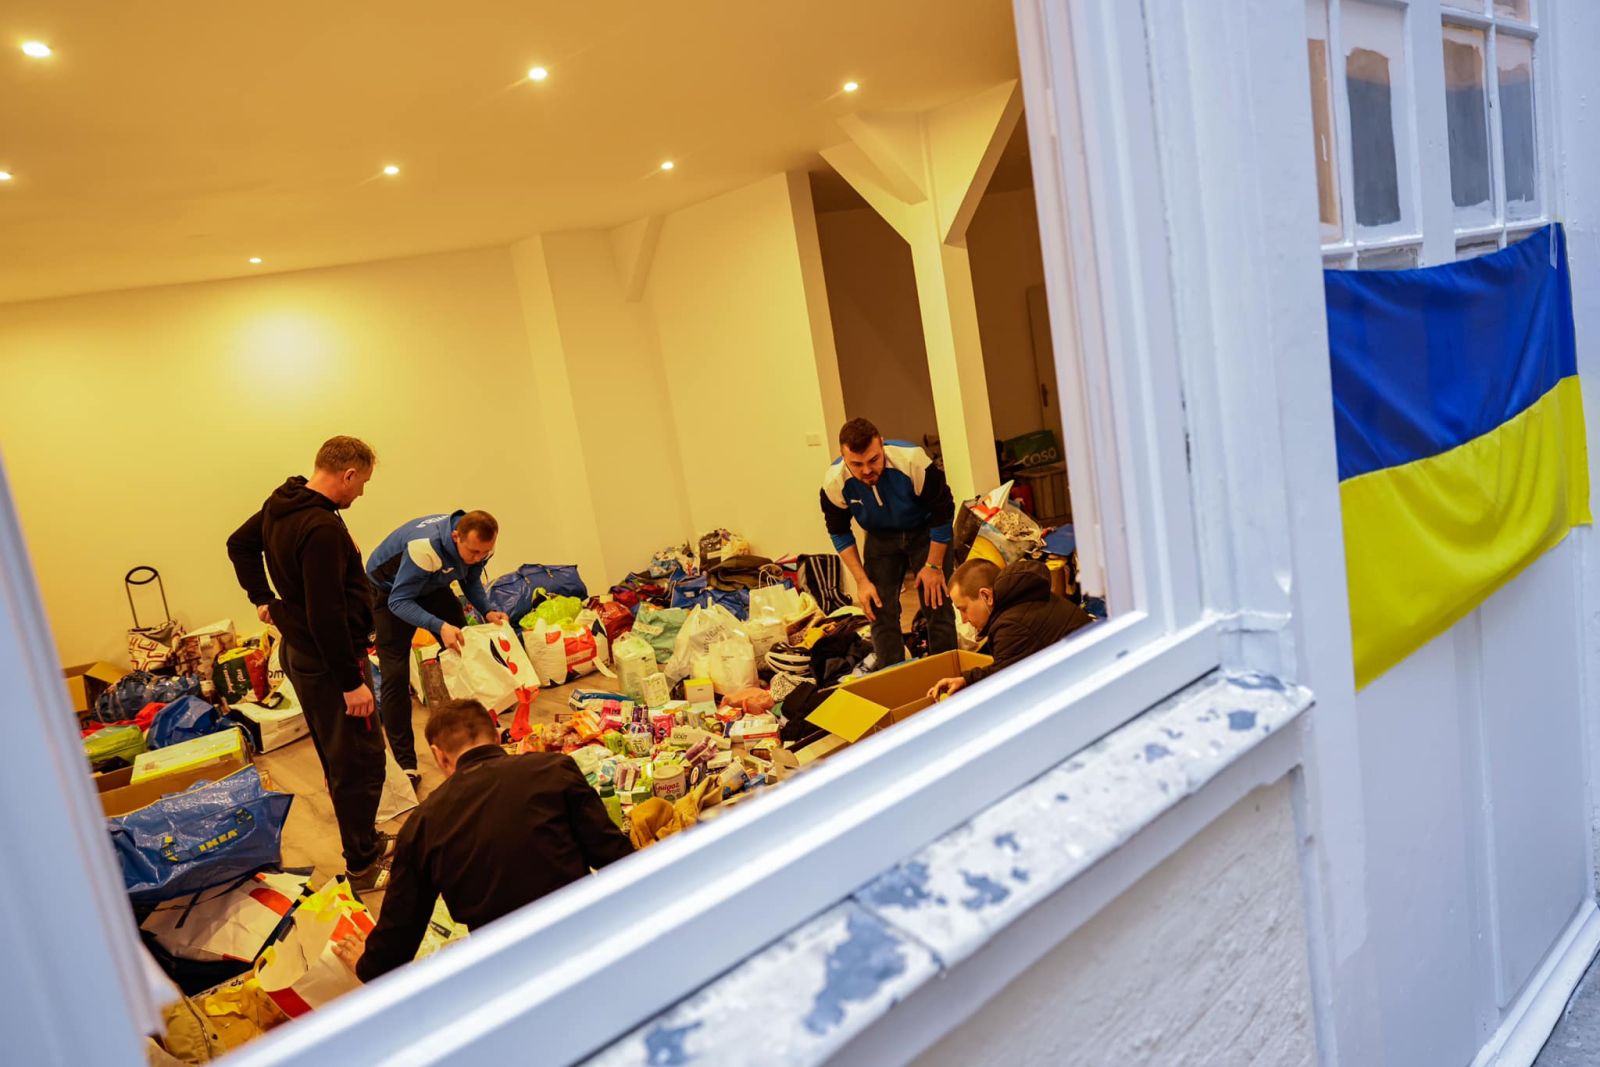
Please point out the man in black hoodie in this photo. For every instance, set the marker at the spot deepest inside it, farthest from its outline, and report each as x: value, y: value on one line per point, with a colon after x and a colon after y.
x: 324, y: 612
x: 1013, y: 610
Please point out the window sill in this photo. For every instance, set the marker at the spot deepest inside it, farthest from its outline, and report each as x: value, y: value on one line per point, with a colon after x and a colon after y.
x: 803, y: 998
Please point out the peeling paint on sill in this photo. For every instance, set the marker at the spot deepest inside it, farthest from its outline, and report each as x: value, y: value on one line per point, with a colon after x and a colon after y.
x: 925, y: 915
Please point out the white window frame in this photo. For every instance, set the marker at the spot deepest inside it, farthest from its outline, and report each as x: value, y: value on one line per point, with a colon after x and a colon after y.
x: 568, y: 974
x: 1437, y: 238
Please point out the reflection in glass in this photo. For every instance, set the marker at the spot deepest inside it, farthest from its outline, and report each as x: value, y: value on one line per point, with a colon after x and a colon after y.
x: 1388, y: 258
x: 1515, y: 9
x: 1372, y: 37
x: 1514, y: 58
x: 1467, y: 112
x: 1322, y: 120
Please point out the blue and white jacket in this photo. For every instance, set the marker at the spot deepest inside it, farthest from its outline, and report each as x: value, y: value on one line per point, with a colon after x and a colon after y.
x: 911, y: 495
x: 420, y: 558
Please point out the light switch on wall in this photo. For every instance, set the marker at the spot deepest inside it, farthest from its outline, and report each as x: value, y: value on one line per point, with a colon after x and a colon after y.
x: 814, y: 440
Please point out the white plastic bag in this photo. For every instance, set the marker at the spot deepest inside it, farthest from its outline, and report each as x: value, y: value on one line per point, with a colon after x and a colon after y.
x: 636, y: 661
x: 703, y: 628
x: 764, y: 632
x: 398, y: 796
x: 490, y: 669
x: 777, y: 600
x: 733, y: 664
x: 225, y: 922
x: 547, y: 650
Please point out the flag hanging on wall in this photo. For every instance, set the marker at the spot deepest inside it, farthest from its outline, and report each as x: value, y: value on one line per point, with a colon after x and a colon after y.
x: 1460, y: 436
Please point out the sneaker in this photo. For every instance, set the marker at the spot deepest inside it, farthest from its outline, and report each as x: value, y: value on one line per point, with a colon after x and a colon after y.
x: 374, y: 879
x: 387, y: 841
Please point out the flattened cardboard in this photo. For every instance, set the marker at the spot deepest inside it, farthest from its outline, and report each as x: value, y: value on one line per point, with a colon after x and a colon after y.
x: 86, y: 681
x: 879, y: 700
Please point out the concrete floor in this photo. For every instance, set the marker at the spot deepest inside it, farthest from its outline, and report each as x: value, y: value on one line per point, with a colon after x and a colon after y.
x: 1575, y: 1042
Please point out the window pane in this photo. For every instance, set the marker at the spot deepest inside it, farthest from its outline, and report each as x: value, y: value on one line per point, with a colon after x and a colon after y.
x: 1377, y: 86
x: 1514, y: 58
x: 1475, y: 248
x: 1322, y: 124
x: 1516, y: 9
x: 1466, y: 101
x: 1474, y: 6
x: 1388, y: 259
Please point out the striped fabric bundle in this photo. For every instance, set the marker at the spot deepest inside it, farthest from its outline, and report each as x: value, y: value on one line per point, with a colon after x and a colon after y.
x: 1460, y: 434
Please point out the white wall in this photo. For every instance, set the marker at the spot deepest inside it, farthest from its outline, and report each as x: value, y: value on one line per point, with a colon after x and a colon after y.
x: 1202, y: 961
x: 729, y: 302
x: 877, y: 328
x: 1006, y: 263
x: 141, y: 427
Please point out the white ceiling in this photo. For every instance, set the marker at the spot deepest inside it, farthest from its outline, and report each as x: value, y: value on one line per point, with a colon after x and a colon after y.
x: 169, y: 142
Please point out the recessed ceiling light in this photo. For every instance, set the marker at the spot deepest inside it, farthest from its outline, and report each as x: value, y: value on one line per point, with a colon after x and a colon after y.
x: 851, y: 87
x: 5, y: 175
x: 668, y: 165
x: 391, y: 170
x: 36, y: 49
x: 255, y: 259
x: 538, y: 74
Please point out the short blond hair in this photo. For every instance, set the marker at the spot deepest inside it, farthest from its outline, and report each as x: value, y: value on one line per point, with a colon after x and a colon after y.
x: 340, y: 454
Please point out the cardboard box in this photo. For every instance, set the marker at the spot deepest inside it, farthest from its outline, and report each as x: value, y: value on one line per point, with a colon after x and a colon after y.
x: 118, y: 794
x: 270, y: 728
x: 86, y: 681
x: 880, y: 700
x: 224, y: 746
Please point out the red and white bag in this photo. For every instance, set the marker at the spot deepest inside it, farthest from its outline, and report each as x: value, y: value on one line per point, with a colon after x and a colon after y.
x: 491, y: 667
x: 582, y: 650
x: 547, y: 649
x: 225, y: 922
x: 300, y: 972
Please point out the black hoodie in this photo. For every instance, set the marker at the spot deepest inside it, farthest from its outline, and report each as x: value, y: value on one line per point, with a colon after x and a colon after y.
x: 1026, y: 617
x: 322, y: 606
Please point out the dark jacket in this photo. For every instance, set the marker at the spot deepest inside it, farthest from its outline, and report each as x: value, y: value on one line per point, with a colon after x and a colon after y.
x: 323, y: 605
x: 501, y: 832
x: 1026, y: 617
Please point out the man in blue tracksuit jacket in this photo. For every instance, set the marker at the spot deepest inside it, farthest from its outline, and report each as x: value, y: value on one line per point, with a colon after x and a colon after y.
x: 410, y: 573
x: 902, y: 501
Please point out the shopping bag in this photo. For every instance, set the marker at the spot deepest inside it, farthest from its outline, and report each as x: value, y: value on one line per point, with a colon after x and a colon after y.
x: 735, y: 601
x: 733, y: 664
x: 516, y: 593
x: 227, y: 922
x: 660, y: 627
x: 690, y: 592
x: 581, y: 648
x: 113, y: 743
x: 241, y: 674
x: 398, y: 796
x: 546, y: 646
x: 184, y: 719
x: 556, y: 610
x: 764, y: 631
x: 197, y: 650
x: 1007, y: 528
x: 299, y: 971
x: 490, y: 668
x: 209, y: 834
x: 775, y: 599
x: 151, y: 648
x: 136, y: 691
x: 703, y: 628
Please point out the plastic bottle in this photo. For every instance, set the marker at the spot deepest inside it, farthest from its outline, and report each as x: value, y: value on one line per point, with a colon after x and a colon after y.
x: 613, y: 803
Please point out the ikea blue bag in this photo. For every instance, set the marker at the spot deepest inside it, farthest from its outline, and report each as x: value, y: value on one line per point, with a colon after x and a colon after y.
x: 133, y: 691
x: 735, y: 600
x: 516, y: 593
x: 690, y: 593
x: 184, y: 719
x: 212, y: 832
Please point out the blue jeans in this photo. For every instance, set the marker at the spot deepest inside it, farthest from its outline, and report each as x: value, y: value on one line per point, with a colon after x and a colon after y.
x: 888, y: 556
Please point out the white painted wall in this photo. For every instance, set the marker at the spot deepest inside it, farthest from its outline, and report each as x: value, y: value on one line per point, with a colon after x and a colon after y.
x: 1202, y: 961
x: 729, y: 302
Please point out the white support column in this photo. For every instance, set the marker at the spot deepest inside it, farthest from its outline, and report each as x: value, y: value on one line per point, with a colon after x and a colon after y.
x: 926, y: 174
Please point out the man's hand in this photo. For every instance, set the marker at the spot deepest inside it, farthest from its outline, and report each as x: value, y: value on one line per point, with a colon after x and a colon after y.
x: 358, y: 703
x: 866, y: 597
x: 349, y: 949
x: 945, y: 686
x: 497, y: 617
x: 451, y: 637
x: 930, y: 585
x: 264, y: 613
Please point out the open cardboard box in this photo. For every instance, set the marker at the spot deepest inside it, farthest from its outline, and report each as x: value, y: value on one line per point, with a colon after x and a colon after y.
x: 86, y: 681
x: 118, y: 796
x: 880, y: 700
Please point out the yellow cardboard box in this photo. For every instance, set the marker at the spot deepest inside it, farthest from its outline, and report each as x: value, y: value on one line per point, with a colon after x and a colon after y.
x: 880, y: 700
x: 86, y: 681
x: 224, y: 746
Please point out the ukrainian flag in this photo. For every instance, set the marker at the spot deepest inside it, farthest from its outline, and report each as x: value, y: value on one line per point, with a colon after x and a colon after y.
x: 1460, y: 435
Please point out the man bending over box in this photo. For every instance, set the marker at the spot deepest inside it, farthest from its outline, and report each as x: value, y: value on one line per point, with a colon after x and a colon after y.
x: 1013, y: 610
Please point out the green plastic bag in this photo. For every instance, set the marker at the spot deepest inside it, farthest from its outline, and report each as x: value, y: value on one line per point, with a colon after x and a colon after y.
x: 113, y: 742
x: 660, y: 627
x: 556, y: 611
